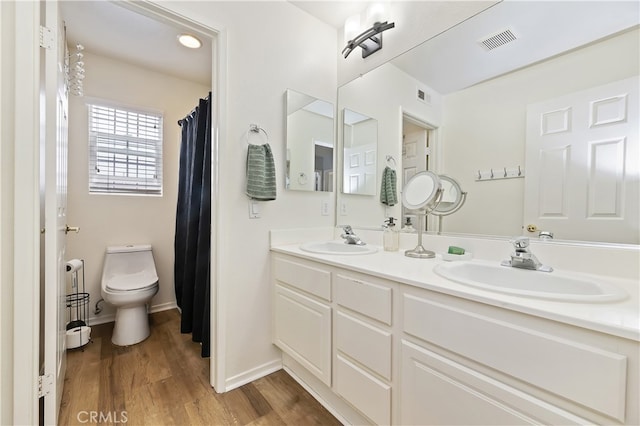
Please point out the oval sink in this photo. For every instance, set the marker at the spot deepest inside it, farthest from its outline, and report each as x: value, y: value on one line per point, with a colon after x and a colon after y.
x: 337, y: 247
x: 521, y: 282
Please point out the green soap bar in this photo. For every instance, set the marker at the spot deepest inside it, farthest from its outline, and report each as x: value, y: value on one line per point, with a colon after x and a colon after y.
x: 456, y: 250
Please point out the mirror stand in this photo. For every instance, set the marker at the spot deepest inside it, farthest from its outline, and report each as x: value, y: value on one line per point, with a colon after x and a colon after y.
x: 420, y: 252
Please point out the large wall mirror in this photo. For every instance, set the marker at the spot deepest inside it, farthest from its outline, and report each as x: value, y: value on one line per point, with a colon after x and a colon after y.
x: 489, y: 105
x: 310, y: 143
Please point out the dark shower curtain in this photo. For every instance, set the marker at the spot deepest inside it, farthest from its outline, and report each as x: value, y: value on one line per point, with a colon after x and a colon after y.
x: 192, y: 242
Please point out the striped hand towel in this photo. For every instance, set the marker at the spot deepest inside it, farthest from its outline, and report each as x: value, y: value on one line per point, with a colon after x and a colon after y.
x: 388, y: 193
x: 261, y: 173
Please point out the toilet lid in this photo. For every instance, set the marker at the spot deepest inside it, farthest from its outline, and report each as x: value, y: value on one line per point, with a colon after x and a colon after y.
x: 132, y: 282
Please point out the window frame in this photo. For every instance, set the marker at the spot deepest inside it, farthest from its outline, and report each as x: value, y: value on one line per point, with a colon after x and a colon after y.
x: 125, y: 134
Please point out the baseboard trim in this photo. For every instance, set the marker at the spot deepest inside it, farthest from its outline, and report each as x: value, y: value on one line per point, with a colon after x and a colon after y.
x: 162, y: 307
x: 253, y: 374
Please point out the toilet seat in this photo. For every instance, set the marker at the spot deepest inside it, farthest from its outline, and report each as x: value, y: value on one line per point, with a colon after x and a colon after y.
x: 130, y: 283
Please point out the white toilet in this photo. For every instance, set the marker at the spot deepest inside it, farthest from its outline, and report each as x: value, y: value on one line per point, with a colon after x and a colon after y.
x: 129, y: 281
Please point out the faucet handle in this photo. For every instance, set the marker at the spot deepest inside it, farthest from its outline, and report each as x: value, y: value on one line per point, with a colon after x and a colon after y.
x: 520, y: 242
x: 347, y: 229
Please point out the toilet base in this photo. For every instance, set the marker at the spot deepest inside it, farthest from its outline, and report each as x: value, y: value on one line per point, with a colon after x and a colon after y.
x: 132, y: 325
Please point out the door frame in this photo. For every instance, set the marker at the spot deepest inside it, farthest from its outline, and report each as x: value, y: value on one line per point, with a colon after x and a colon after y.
x: 20, y: 350
x: 435, y: 157
x: 218, y: 35
x: 25, y: 206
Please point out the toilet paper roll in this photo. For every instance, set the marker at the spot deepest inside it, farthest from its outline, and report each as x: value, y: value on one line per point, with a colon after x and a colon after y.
x: 78, y: 336
x: 74, y: 264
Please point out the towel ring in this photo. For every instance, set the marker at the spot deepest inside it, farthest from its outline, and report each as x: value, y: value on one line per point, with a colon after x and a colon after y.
x: 254, y: 128
x: 391, y: 160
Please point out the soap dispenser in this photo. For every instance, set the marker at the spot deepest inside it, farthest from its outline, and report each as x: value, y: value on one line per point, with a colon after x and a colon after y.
x: 408, y: 226
x: 391, y: 236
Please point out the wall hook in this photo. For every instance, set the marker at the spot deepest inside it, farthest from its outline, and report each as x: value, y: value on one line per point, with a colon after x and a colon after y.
x: 479, y: 175
x: 505, y: 172
x: 519, y: 171
x: 491, y: 173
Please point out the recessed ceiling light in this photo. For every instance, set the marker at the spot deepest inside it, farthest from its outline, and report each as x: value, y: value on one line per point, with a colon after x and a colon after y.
x: 189, y: 41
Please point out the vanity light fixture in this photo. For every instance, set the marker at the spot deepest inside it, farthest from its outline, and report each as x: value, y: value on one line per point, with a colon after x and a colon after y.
x: 369, y: 41
x: 190, y: 41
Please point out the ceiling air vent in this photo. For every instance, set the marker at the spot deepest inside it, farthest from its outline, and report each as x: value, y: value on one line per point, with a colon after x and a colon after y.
x: 498, y: 39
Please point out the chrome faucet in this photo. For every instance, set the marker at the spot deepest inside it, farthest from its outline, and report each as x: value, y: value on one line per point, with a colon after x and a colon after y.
x: 350, y: 236
x: 523, y: 258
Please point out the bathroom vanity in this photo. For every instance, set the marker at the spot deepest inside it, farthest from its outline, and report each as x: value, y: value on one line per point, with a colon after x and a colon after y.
x: 381, y: 339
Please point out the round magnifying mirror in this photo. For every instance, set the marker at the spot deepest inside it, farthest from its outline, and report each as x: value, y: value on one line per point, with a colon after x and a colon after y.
x: 452, y: 196
x: 421, y: 191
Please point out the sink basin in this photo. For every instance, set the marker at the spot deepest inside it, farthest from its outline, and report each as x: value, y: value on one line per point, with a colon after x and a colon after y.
x: 521, y: 282
x: 337, y: 247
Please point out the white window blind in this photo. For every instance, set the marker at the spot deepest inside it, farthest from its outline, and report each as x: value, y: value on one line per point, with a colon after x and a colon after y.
x: 125, y: 151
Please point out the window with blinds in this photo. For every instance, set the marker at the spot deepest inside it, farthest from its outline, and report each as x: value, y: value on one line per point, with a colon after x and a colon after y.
x: 125, y: 151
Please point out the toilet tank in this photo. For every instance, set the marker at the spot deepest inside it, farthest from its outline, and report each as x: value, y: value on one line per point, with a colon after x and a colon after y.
x: 129, y: 260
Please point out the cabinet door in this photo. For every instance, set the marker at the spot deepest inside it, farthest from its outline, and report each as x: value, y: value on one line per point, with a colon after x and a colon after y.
x: 302, y: 329
x: 437, y: 390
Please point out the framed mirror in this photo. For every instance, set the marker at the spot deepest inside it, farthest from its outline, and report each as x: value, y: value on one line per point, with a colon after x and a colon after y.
x: 422, y: 192
x: 453, y: 197
x: 310, y: 143
x: 478, y: 115
x: 359, y: 153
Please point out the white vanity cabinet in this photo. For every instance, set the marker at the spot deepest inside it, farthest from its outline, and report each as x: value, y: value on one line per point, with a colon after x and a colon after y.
x: 362, y: 336
x: 302, y: 314
x: 387, y: 352
x: 464, y: 362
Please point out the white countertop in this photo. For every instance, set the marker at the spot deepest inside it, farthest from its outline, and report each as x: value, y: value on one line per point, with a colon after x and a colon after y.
x: 620, y: 319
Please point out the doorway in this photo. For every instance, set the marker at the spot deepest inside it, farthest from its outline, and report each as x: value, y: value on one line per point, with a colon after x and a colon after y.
x: 418, y: 155
x: 165, y: 18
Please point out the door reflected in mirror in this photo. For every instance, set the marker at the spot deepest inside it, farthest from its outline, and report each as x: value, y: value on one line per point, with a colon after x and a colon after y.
x: 360, y: 152
x: 310, y: 143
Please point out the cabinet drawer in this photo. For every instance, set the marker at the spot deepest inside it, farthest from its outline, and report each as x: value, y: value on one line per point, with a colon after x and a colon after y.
x: 307, y: 278
x: 365, y: 343
x: 437, y: 390
x: 369, y: 299
x: 302, y: 329
x: 584, y: 374
x: 369, y: 395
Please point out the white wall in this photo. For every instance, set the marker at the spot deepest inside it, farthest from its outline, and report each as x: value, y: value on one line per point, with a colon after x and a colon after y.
x: 271, y: 46
x: 384, y: 94
x: 484, y: 127
x: 106, y: 220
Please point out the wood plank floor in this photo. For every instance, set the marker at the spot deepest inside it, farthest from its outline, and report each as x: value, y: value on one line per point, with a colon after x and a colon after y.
x: 164, y: 381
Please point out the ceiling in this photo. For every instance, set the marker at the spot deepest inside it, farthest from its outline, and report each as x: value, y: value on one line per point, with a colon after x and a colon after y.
x: 107, y: 29
x: 543, y: 29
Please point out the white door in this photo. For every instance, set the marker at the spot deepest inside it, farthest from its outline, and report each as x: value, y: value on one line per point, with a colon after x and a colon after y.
x: 55, y: 212
x: 582, y: 164
x: 415, y: 153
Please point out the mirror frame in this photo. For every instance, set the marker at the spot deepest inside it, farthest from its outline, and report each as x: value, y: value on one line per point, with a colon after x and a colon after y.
x: 430, y: 202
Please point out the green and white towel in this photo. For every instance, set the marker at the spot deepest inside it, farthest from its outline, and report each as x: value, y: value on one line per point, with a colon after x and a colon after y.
x: 388, y: 193
x: 261, y: 173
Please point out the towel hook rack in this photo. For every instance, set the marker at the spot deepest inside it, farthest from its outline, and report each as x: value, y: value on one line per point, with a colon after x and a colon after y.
x: 254, y: 128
